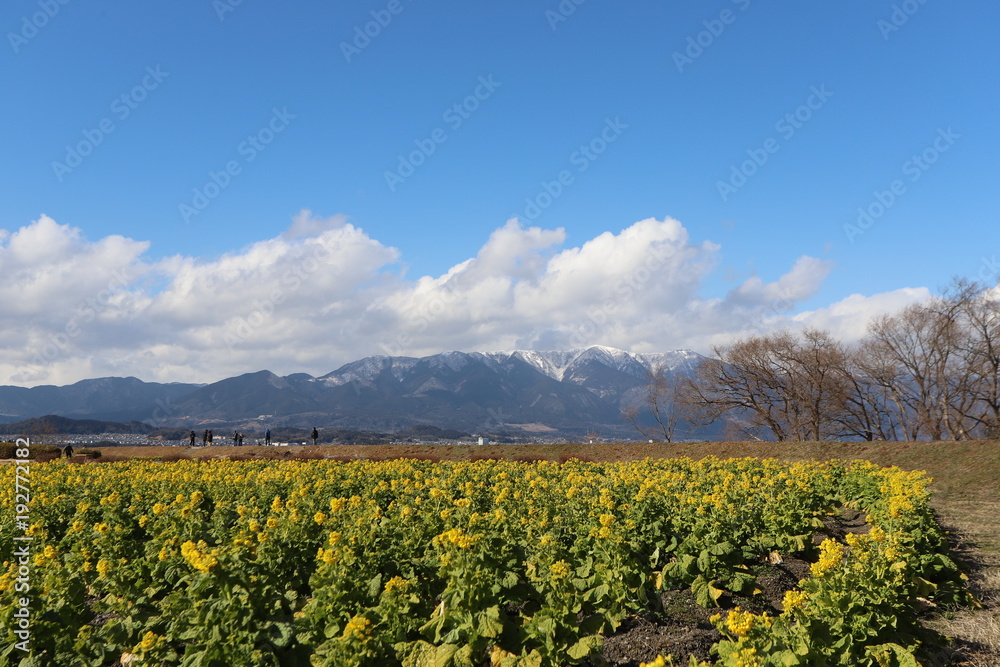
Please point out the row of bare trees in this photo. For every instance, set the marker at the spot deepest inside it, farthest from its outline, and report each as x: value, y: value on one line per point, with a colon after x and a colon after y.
x: 928, y: 372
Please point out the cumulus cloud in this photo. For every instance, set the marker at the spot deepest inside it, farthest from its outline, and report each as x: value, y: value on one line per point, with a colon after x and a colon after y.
x: 324, y: 293
x: 848, y: 318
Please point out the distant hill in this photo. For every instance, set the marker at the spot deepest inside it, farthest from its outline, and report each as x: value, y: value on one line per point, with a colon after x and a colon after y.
x: 556, y: 393
x: 54, y: 425
x: 111, y: 399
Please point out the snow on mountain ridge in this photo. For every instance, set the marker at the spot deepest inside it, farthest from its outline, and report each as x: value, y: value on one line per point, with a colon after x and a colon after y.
x: 555, y: 363
x: 552, y: 363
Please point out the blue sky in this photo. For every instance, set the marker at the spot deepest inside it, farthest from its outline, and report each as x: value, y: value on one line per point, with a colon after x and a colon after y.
x: 833, y: 100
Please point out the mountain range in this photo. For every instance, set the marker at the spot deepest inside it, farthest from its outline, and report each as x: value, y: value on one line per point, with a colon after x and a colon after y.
x: 541, y: 392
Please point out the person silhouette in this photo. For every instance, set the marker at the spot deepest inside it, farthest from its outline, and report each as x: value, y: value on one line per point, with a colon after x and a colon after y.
x: 315, y: 435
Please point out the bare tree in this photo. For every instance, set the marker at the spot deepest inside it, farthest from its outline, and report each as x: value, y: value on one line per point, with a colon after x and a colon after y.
x: 867, y: 408
x: 928, y: 371
x: 744, y: 386
x: 979, y: 350
x: 659, y: 399
x: 811, y: 363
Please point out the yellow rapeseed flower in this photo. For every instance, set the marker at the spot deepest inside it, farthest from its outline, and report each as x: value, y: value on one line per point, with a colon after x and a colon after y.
x: 830, y: 555
x: 740, y: 622
x: 359, y: 627
x: 198, y: 557
x: 148, y: 641
x: 794, y: 600
x: 747, y: 657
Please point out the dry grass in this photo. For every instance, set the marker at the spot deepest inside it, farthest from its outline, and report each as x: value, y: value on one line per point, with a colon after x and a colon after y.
x: 974, y: 525
x: 966, y: 479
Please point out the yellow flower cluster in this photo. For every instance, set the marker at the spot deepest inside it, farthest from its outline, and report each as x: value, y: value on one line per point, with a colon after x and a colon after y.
x: 150, y: 640
x: 396, y: 584
x: 344, y: 515
x: 794, y: 600
x: 747, y: 657
x: 359, y: 627
x: 559, y: 569
x: 456, y: 537
x: 659, y: 662
x: 740, y: 622
x: 198, y: 556
x: 831, y: 553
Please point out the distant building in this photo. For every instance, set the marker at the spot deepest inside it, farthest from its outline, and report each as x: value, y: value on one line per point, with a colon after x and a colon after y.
x: 483, y: 440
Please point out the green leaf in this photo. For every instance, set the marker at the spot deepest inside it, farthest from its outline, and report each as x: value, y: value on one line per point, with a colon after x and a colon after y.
x: 432, y: 628
x: 444, y: 654
x: 704, y: 561
x: 585, y: 647
x: 700, y: 589
x: 375, y: 586
x: 415, y: 654
x: 789, y: 659
x: 655, y: 557
x: 721, y: 549
x: 490, y: 626
x: 688, y: 565
x: 533, y: 659
x: 715, y: 592
x: 593, y: 624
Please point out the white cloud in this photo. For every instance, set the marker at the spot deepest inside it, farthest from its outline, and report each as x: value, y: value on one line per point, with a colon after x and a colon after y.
x: 324, y: 293
x: 848, y: 318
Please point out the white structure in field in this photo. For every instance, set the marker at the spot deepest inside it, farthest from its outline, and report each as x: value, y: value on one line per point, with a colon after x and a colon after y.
x: 484, y: 441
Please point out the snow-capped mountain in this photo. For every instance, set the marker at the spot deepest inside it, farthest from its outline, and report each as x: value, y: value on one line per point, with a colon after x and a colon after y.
x: 555, y: 363
x: 569, y: 390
